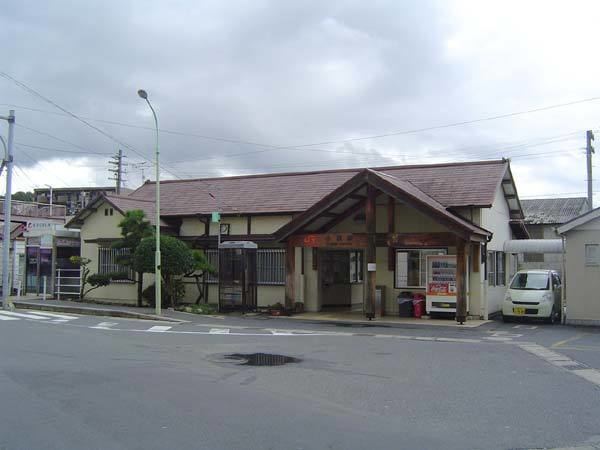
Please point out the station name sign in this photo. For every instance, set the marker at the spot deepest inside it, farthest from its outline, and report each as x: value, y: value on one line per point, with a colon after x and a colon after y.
x: 331, y: 240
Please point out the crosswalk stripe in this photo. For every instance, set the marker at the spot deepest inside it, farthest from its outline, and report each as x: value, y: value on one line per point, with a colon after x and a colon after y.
x: 105, y: 325
x: 8, y: 318
x: 159, y: 329
x: 219, y: 331
x: 54, y: 315
x: 22, y: 315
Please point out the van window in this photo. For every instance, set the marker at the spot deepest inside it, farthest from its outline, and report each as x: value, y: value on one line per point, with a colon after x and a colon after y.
x: 531, y: 281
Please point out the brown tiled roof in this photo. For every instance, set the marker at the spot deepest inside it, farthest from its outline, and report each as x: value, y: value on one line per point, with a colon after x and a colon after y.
x: 452, y: 185
x: 122, y: 203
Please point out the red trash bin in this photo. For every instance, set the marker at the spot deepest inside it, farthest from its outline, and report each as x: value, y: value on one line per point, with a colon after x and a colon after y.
x: 418, y: 307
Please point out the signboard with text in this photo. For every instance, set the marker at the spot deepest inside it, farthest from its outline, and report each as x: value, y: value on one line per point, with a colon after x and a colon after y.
x: 333, y: 240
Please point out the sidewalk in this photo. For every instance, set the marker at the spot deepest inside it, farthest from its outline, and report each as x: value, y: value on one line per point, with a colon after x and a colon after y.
x: 93, y: 309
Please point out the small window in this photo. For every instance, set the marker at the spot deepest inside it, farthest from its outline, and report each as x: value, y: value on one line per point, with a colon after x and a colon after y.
x: 592, y: 255
x: 106, y: 211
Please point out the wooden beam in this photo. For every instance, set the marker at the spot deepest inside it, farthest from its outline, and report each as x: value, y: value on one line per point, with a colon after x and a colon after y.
x: 249, y: 225
x: 391, y: 217
x: 357, y: 197
x: 329, y: 214
x: 315, y: 258
x: 341, y: 217
x: 371, y: 251
x: 290, y: 276
x: 443, y: 239
x: 461, y: 285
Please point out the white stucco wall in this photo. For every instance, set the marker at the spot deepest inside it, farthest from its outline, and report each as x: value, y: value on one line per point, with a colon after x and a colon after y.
x: 496, y: 219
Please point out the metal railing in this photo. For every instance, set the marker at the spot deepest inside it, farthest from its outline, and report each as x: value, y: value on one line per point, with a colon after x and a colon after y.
x: 31, y: 209
x: 68, y: 283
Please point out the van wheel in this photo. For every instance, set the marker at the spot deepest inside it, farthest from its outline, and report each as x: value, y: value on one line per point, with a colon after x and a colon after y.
x: 552, y: 318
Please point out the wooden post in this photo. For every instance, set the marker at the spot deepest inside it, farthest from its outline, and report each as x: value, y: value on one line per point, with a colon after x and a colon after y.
x: 290, y: 275
x: 371, y: 251
x: 461, y: 286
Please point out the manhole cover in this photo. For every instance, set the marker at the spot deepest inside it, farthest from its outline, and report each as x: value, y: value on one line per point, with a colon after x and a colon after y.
x: 262, y: 359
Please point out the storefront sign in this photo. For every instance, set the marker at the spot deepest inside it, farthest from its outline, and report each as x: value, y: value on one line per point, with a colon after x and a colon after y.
x: 371, y: 267
x: 39, y: 228
x: 67, y: 242
x: 335, y: 240
x: 420, y: 239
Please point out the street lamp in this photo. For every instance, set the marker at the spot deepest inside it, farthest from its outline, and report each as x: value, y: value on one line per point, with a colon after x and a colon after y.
x: 157, y: 283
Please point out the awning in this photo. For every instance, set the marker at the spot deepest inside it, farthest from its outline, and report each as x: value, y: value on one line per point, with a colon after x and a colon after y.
x: 533, y: 246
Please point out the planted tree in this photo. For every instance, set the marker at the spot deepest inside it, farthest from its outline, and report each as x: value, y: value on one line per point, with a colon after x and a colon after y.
x: 177, y: 259
x: 92, y: 281
x: 201, y: 269
x: 134, y: 227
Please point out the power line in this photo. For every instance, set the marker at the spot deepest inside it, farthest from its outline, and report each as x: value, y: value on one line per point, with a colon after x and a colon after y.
x: 61, y: 150
x: 279, y: 147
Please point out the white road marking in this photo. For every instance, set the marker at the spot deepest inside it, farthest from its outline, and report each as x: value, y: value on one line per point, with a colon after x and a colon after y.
x: 105, y: 325
x: 219, y: 331
x: 8, y: 318
x: 22, y: 315
x: 158, y: 329
x: 592, y: 375
x: 556, y: 359
x: 528, y: 327
x: 57, y: 316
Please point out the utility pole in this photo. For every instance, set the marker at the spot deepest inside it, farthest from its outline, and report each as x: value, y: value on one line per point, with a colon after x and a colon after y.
x: 589, y: 150
x: 8, y: 160
x: 117, y: 161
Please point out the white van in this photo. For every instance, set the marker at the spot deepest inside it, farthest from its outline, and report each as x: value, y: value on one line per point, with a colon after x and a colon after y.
x: 533, y: 293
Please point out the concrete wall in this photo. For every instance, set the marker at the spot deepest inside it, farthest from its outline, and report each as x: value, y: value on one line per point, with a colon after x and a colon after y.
x: 495, y: 219
x: 582, y: 282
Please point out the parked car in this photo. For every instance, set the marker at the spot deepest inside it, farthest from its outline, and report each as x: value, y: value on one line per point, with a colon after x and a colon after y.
x: 533, y: 293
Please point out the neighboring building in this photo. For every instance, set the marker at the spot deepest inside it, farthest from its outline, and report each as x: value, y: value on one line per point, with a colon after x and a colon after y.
x: 340, y: 225
x: 74, y: 199
x: 16, y: 255
x: 582, y: 280
x: 44, y: 243
x: 542, y: 216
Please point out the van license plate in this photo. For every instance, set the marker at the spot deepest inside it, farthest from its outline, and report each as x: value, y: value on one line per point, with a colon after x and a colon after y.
x: 519, y: 311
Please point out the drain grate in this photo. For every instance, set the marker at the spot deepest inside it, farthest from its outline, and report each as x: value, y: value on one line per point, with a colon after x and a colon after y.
x: 262, y: 359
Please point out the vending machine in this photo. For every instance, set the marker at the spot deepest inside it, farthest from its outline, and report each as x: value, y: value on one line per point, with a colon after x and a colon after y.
x: 441, y: 284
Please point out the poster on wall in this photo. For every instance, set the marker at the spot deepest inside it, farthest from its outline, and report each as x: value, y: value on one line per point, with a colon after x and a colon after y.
x: 441, y: 283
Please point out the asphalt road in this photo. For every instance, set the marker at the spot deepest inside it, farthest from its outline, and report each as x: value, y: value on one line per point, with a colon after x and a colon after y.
x: 106, y: 383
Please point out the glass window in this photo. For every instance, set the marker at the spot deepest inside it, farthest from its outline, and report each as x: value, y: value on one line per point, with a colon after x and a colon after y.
x: 500, y: 263
x: 110, y: 262
x: 270, y: 266
x: 356, y: 266
x: 491, y: 268
x: 531, y: 281
x: 411, y: 267
x: 592, y: 254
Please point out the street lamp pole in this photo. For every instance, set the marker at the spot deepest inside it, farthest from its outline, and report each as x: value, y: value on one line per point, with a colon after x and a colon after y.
x: 7, y: 211
x: 157, y: 282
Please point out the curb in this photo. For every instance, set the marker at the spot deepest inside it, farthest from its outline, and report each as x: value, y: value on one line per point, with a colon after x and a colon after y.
x: 94, y: 312
x: 381, y: 323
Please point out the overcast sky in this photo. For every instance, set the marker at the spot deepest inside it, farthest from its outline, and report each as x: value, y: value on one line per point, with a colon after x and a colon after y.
x: 291, y: 73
